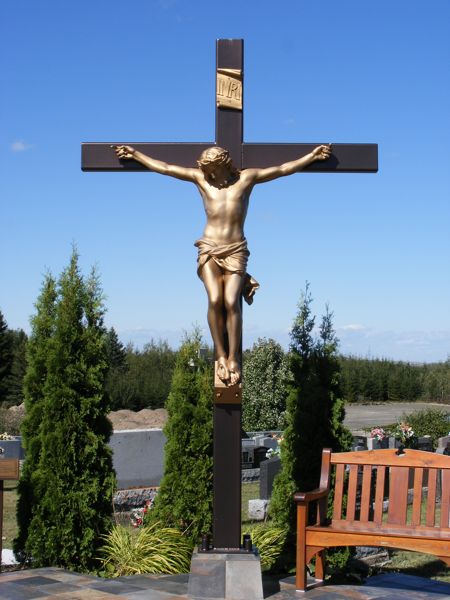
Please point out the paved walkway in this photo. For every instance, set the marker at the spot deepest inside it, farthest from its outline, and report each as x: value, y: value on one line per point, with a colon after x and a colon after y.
x: 57, y: 583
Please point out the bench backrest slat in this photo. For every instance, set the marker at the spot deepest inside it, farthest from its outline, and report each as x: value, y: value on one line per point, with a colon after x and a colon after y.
x: 398, y: 495
x: 352, y: 487
x: 338, y: 492
x: 431, y: 500
x: 417, y: 497
x: 379, y: 494
x: 366, y: 488
x: 445, y: 499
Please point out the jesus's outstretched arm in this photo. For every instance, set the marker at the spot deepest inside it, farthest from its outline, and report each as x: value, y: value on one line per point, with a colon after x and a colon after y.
x: 288, y: 168
x: 158, y: 166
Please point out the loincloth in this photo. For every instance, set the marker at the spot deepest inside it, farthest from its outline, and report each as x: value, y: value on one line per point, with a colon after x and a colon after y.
x: 230, y: 257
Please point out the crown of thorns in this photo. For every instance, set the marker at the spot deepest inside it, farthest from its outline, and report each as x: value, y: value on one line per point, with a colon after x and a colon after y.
x: 214, y: 155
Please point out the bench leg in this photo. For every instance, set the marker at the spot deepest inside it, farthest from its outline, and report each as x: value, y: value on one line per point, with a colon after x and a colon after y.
x: 300, y: 576
x: 320, y: 565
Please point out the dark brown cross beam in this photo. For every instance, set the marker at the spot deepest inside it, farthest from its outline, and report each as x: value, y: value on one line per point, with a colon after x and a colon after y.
x: 346, y: 158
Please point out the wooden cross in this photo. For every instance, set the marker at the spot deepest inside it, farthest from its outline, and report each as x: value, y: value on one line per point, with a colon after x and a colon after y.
x: 346, y: 158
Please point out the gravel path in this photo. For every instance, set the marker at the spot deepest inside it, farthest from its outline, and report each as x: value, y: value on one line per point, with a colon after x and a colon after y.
x: 358, y: 416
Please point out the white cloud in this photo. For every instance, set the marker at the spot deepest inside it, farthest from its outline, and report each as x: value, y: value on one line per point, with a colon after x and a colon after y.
x: 20, y: 146
x: 352, y: 327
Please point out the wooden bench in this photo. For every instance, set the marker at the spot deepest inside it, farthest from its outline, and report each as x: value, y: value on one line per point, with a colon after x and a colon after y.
x: 9, y: 469
x: 372, y: 491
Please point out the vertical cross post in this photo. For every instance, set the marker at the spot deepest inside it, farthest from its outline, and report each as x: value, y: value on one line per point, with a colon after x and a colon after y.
x: 227, y: 401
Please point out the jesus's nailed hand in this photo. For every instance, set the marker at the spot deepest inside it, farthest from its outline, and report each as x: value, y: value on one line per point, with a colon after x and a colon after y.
x: 124, y: 152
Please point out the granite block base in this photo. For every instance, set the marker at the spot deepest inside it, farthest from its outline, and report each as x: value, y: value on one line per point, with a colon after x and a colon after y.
x: 222, y: 576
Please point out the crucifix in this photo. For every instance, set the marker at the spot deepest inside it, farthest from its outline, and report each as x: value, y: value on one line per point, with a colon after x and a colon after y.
x: 225, y: 172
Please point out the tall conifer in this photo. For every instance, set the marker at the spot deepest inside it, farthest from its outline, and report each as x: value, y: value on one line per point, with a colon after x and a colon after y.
x: 184, y: 499
x: 42, y: 331
x: 73, y: 482
x: 5, y: 359
x: 315, y: 413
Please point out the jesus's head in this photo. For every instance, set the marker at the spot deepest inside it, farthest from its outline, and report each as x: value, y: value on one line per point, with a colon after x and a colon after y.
x: 215, y: 158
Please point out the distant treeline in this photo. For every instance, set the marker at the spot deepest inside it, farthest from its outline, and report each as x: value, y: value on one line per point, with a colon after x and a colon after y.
x: 140, y: 378
x: 378, y: 380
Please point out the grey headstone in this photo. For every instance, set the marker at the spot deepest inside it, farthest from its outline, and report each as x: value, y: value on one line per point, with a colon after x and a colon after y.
x: 425, y: 443
x: 268, y: 470
x: 443, y: 442
x: 373, y: 444
x: 359, y: 441
x: 12, y: 448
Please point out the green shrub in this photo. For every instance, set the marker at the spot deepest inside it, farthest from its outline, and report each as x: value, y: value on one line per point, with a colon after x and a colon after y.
x: 266, y: 375
x: 151, y: 549
x: 430, y: 421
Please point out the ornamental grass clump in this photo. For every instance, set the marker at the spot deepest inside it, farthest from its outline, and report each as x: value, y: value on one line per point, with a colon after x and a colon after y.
x: 269, y: 541
x: 151, y: 549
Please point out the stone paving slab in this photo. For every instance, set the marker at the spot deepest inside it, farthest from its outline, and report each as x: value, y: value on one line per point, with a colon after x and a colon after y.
x: 52, y: 583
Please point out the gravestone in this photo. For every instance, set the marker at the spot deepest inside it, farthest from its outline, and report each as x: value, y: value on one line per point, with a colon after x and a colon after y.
x: 267, y: 473
x: 12, y: 448
x: 424, y: 443
x: 373, y: 444
x: 443, y: 442
x: 359, y: 443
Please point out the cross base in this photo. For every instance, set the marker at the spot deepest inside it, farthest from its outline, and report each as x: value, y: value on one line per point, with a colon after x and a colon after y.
x: 225, y: 576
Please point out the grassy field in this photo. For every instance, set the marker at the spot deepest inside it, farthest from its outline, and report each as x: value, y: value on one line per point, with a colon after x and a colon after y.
x: 9, y: 513
x: 250, y: 491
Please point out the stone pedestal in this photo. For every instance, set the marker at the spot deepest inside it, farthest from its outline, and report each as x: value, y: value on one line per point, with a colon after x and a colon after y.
x: 223, y: 576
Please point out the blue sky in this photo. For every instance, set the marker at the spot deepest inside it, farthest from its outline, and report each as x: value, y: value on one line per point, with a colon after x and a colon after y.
x: 375, y: 247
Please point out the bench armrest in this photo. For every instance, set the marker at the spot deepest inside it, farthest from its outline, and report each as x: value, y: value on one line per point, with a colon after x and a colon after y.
x: 306, y: 497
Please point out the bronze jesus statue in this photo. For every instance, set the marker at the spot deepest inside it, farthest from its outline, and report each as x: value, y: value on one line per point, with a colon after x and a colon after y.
x: 222, y: 250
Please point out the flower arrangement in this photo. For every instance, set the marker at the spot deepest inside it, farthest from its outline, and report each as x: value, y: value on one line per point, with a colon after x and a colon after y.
x: 5, y: 437
x: 378, y: 434
x: 404, y: 433
x: 271, y: 452
x: 138, y: 514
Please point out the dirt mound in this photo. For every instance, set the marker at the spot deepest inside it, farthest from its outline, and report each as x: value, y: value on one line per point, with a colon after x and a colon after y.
x: 143, y: 419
